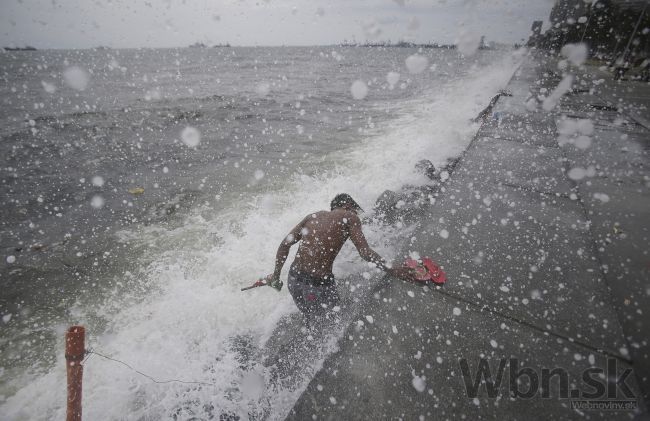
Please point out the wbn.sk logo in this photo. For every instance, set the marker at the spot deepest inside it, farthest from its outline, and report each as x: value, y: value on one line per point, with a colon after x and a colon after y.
x: 602, y: 389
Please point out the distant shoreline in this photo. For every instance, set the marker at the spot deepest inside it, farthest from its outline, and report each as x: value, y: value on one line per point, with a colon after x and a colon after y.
x: 496, y: 46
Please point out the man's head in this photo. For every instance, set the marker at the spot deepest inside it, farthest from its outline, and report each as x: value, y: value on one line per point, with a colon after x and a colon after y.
x: 345, y: 201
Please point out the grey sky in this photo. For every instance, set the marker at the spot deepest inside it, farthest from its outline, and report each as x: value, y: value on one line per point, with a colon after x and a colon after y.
x: 166, y: 23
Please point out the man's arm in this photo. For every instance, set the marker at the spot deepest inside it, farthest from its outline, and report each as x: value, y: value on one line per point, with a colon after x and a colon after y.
x: 360, y: 242
x: 368, y: 254
x: 292, y: 238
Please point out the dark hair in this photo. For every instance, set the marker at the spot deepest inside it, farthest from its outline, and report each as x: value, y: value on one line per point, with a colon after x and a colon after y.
x: 342, y: 199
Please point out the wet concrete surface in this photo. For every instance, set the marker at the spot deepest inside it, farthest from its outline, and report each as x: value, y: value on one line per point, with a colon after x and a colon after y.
x: 543, y: 235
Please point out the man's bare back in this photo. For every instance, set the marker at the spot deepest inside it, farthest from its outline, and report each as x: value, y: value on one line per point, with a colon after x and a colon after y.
x: 323, y: 235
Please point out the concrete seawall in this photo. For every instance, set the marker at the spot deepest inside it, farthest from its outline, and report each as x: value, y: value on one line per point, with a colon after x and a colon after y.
x: 543, y: 232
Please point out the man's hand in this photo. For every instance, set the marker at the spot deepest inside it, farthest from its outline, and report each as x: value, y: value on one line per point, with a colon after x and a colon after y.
x: 273, y: 281
x: 403, y: 272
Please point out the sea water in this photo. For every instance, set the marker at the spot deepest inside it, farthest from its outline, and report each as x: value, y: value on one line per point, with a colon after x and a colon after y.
x: 143, y: 188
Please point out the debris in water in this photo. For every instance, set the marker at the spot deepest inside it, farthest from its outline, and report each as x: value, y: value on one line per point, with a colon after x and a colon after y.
x: 136, y: 190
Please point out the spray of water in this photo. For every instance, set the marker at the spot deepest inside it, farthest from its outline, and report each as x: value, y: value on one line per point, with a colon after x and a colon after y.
x: 194, y: 324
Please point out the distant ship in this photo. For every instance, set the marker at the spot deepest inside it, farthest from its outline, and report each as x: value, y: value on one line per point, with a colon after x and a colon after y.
x: 25, y: 48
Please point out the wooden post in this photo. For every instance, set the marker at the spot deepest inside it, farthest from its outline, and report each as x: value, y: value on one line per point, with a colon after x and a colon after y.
x: 74, y: 354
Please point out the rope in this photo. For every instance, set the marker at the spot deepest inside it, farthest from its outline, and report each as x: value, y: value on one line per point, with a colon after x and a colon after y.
x: 497, y: 312
x: 505, y: 315
x: 91, y: 351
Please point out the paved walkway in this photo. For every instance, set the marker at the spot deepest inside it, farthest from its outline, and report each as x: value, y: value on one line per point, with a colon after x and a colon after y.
x: 545, y: 245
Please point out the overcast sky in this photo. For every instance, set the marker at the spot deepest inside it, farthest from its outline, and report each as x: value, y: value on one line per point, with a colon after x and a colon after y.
x: 169, y: 23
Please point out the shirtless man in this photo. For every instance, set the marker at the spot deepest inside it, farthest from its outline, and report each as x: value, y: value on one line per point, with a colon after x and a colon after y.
x: 323, y: 233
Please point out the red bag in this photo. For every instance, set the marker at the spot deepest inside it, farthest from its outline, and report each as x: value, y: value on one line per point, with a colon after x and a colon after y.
x: 427, y: 270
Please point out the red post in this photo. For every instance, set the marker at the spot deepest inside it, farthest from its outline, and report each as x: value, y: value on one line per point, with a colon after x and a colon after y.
x: 74, y: 354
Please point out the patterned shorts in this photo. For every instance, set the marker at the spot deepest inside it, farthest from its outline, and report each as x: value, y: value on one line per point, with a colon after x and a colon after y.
x: 315, y: 297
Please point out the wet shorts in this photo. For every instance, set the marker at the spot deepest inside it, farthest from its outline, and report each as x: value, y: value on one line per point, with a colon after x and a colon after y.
x: 314, y: 296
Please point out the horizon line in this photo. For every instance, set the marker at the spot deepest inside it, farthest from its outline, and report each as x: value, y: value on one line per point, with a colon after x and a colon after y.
x: 28, y: 47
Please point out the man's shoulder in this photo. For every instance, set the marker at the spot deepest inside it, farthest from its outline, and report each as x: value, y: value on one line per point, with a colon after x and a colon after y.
x: 334, y: 214
x: 345, y: 215
x: 316, y: 214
